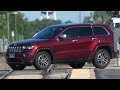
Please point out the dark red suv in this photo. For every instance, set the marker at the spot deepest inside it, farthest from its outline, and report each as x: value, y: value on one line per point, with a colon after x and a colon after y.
x: 73, y: 44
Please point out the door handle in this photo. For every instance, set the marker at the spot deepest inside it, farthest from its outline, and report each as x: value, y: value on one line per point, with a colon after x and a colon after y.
x: 94, y: 38
x: 74, y: 40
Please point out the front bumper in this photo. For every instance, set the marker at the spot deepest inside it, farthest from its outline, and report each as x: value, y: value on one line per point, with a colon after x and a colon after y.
x: 17, y: 61
x: 19, y: 58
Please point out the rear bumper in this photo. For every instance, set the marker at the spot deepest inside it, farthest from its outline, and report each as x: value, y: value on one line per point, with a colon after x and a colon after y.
x: 114, y: 54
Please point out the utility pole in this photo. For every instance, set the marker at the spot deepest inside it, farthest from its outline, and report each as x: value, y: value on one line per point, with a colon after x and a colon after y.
x: 80, y: 16
x: 119, y: 13
x: 8, y: 27
x: 92, y: 16
x: 15, y: 29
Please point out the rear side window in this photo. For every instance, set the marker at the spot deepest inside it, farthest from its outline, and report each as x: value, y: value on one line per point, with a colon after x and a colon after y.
x: 99, y: 31
x: 84, y: 32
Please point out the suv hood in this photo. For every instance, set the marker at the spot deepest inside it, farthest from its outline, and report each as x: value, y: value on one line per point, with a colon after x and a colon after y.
x: 28, y: 42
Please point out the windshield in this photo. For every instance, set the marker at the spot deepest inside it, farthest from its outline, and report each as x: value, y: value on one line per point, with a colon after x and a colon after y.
x: 47, y: 33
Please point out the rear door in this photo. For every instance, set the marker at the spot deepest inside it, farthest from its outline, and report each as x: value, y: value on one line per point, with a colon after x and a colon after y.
x: 84, y: 42
x: 101, y: 34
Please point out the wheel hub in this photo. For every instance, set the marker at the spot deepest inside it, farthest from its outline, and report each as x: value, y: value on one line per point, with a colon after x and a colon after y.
x: 43, y: 60
x: 102, y: 58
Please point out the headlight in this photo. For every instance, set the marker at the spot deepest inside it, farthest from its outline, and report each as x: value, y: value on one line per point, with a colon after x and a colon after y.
x: 28, y: 47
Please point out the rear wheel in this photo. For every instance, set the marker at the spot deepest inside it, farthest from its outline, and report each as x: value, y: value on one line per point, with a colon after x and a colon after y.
x: 77, y: 65
x: 42, y: 60
x: 101, y: 59
x: 17, y: 67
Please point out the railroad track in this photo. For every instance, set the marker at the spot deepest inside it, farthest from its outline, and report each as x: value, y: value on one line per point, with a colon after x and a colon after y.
x: 46, y: 74
x: 6, y: 74
x: 50, y: 73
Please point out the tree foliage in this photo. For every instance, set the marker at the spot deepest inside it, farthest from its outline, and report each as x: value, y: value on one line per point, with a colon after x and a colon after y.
x: 105, y: 16
x: 69, y: 21
x: 24, y: 28
x: 87, y: 19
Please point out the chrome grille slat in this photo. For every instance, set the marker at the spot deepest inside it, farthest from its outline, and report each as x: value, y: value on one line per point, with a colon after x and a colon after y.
x: 15, y: 49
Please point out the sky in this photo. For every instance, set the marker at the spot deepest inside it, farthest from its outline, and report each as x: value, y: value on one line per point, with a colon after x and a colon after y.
x: 62, y: 15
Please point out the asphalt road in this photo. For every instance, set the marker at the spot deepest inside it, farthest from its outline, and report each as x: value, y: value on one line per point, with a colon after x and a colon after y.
x: 107, y: 73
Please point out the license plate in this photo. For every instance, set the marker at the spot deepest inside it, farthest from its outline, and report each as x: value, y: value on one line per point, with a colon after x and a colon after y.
x: 11, y: 55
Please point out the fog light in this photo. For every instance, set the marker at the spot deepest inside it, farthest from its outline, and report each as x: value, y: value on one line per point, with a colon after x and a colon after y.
x: 25, y: 55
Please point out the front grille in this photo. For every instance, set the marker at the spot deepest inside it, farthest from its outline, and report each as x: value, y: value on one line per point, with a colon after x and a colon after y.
x: 15, y: 49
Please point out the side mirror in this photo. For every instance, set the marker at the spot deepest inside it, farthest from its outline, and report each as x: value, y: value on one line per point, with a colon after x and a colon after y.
x: 63, y: 36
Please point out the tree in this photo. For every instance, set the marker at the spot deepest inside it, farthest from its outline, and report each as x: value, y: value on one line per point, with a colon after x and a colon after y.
x: 3, y: 25
x: 37, y: 25
x: 68, y: 21
x: 25, y: 28
x: 105, y: 16
x: 100, y: 17
x: 87, y: 19
x: 48, y: 22
x: 113, y: 13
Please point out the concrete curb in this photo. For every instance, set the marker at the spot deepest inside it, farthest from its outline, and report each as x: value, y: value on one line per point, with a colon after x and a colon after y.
x: 24, y: 77
x: 92, y: 74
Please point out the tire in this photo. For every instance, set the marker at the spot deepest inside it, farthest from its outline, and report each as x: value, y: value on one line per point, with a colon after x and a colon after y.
x: 101, y: 59
x: 17, y: 67
x: 77, y: 65
x: 41, y: 64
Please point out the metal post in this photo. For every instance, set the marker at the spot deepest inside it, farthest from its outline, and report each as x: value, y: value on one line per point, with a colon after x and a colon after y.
x: 55, y: 18
x: 41, y: 16
x: 47, y: 15
x: 118, y: 53
x: 92, y: 16
x: 8, y: 26
x: 12, y: 39
x: 80, y: 16
x: 12, y: 34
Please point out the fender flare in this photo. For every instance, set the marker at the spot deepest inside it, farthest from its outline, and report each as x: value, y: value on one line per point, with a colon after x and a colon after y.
x: 42, y: 49
x: 100, y: 46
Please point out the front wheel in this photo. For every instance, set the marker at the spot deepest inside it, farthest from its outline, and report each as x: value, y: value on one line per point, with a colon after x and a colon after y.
x: 17, y: 67
x: 42, y: 60
x: 101, y: 59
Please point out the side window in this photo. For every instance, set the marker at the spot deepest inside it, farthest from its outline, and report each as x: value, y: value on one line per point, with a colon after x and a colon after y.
x: 78, y: 32
x: 99, y: 31
x: 84, y: 32
x: 70, y: 33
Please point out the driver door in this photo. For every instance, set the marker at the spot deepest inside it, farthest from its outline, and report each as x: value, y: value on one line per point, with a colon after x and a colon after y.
x: 66, y: 47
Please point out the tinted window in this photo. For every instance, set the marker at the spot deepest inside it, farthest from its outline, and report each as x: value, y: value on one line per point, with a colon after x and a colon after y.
x: 78, y: 32
x: 70, y: 33
x: 47, y: 33
x: 99, y: 31
x: 84, y: 32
